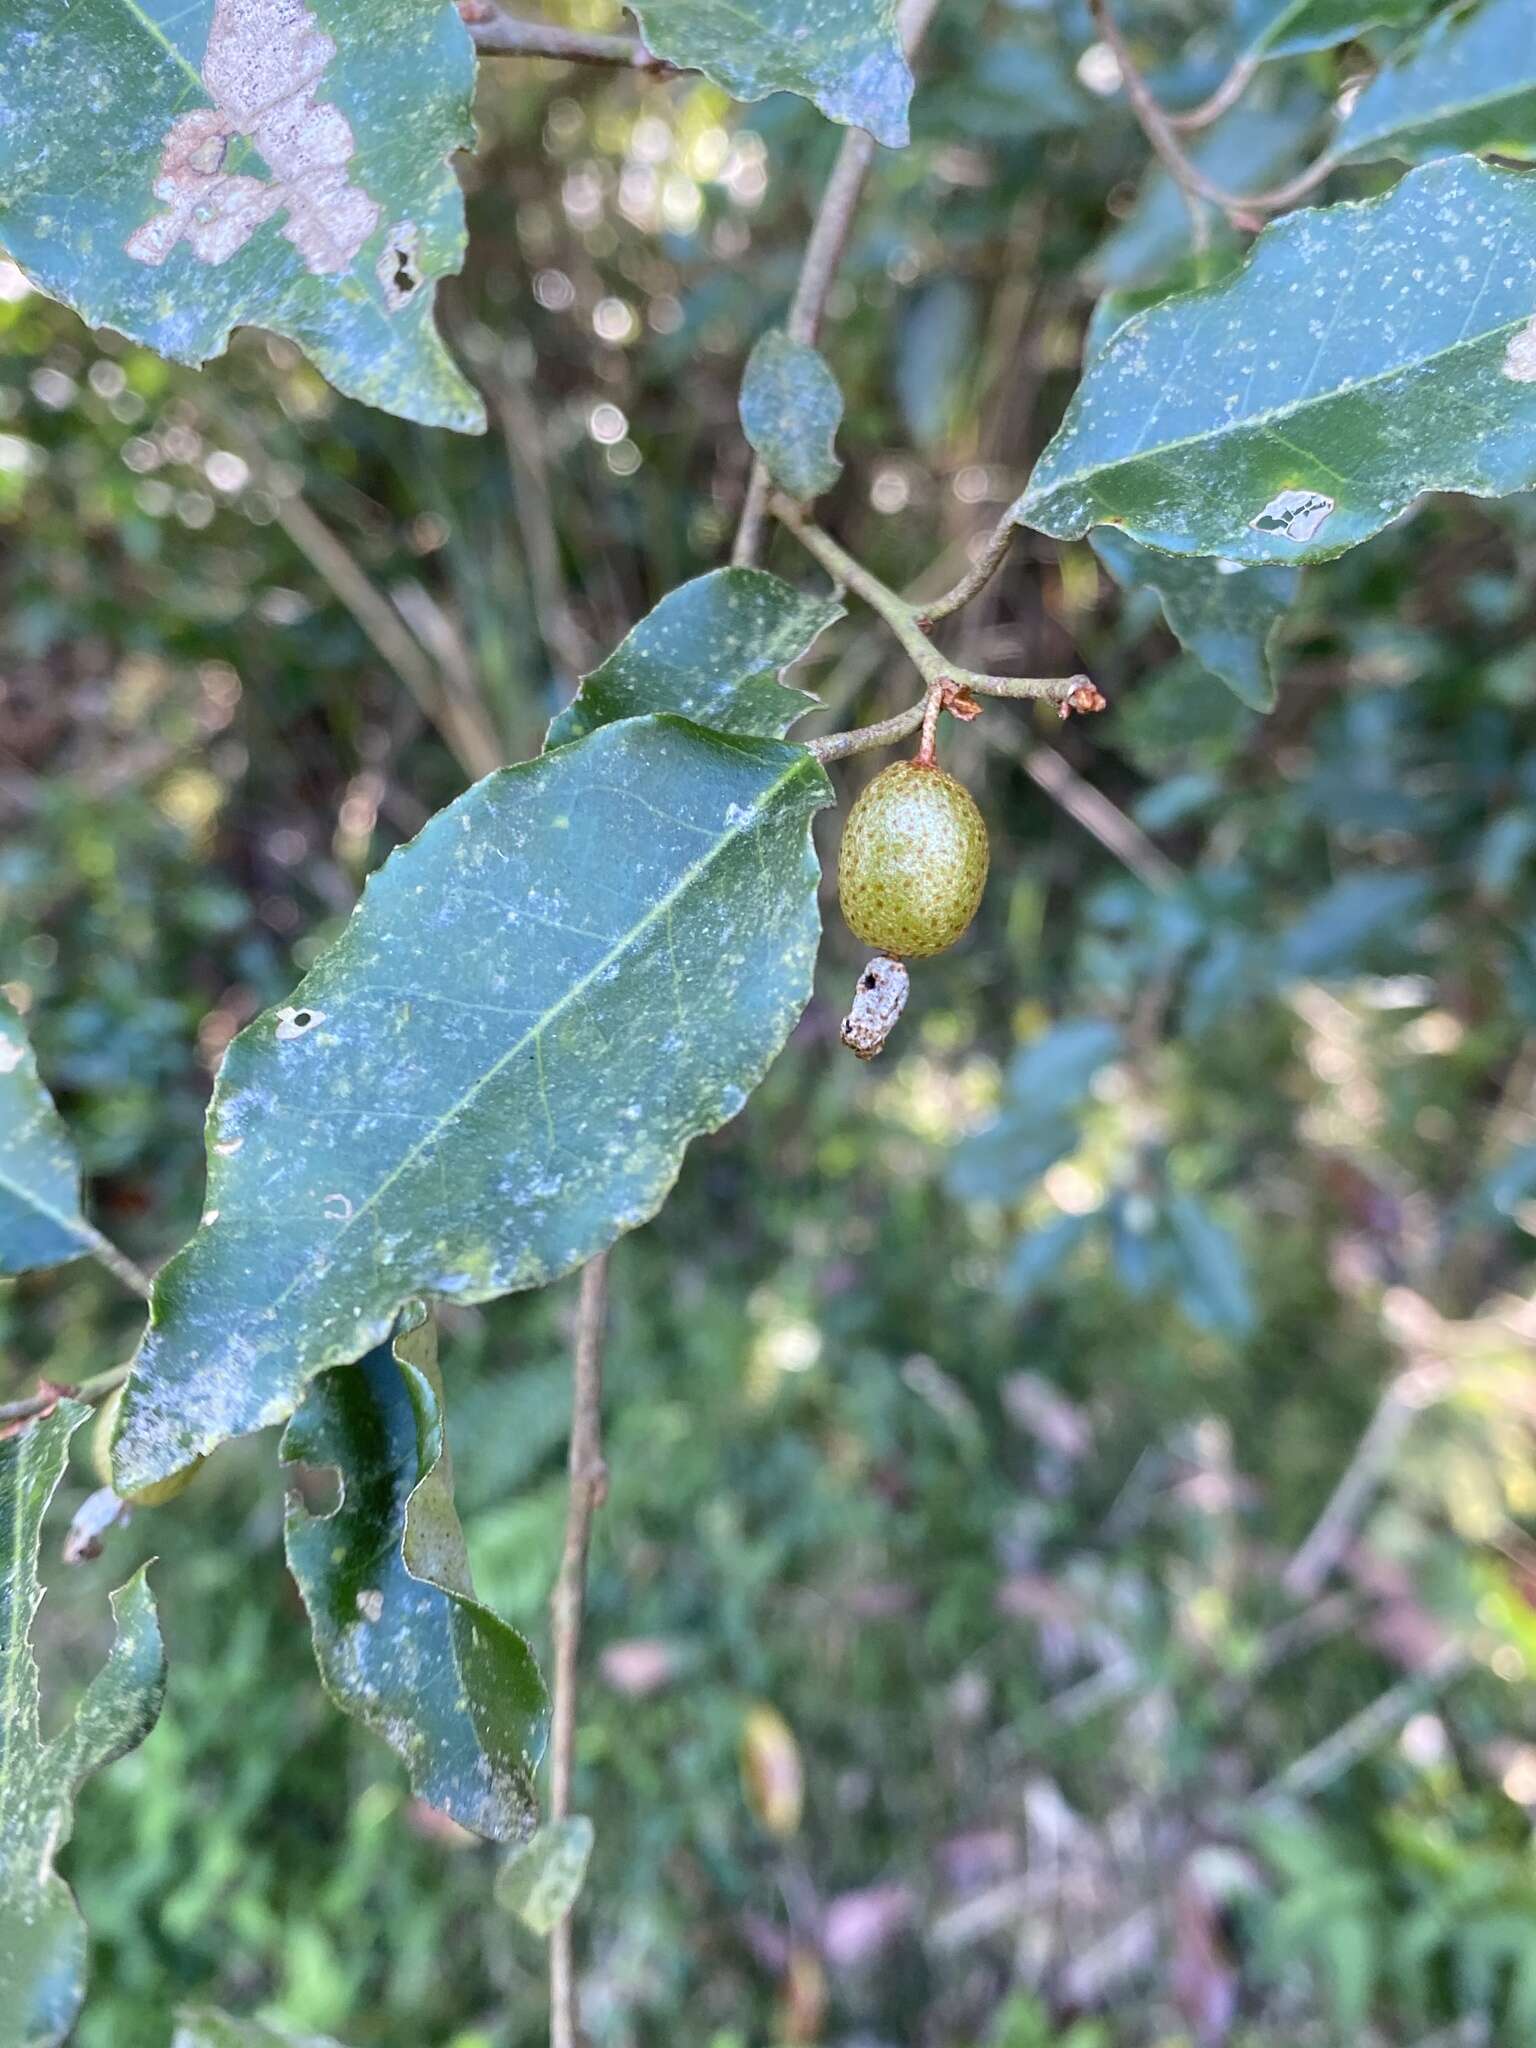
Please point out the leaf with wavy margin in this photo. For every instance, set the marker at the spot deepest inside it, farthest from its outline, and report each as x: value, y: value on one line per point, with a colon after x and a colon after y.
x: 402, y: 1643
x: 715, y: 651
x: 178, y: 171
x: 843, y: 55
x: 583, y: 963
x: 1469, y: 83
x: 42, y: 1937
x: 1363, y: 355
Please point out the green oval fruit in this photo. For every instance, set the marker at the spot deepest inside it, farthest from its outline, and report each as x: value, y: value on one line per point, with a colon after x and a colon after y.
x: 913, y: 861
x: 159, y: 1491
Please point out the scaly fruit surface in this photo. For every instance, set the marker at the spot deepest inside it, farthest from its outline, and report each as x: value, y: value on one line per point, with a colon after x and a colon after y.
x: 913, y: 861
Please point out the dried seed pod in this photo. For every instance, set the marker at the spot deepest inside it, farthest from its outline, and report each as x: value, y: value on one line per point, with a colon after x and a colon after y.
x: 913, y: 861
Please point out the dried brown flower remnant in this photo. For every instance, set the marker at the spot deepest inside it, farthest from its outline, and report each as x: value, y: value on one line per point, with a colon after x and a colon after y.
x: 263, y: 67
x: 878, y: 1001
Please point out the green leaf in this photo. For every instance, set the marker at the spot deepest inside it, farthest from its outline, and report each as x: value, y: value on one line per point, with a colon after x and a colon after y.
x: 1039, y: 1256
x: 1225, y: 615
x: 175, y: 172
x: 713, y: 651
x: 790, y: 409
x: 202, y: 2027
x: 1333, y: 932
x: 1363, y: 355
x: 1287, y: 28
x: 402, y: 1643
x: 541, y: 1881
x: 40, y: 1219
x: 843, y: 55
x: 581, y: 964
x: 1056, y: 1069
x: 1470, y: 83
x: 42, y: 1937
x: 1212, y: 1274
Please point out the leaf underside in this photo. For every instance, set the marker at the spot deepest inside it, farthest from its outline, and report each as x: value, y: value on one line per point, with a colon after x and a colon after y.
x: 1225, y: 616
x: 1287, y: 28
x: 844, y: 55
x: 541, y: 1881
x: 174, y: 171
x: 1363, y: 355
x: 42, y: 1938
x: 713, y: 651
x: 40, y: 1219
x: 402, y: 1643
x: 1469, y: 83
x: 583, y: 963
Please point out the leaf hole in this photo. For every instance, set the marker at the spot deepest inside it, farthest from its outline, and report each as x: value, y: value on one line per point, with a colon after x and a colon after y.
x: 317, y: 1488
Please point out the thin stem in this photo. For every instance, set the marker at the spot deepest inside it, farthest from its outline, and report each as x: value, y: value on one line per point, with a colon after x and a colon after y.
x: 14, y: 1413
x: 927, y: 746
x: 976, y: 578
x: 1227, y: 94
x: 496, y: 34
x: 818, y: 267
x: 1159, y: 129
x: 902, y: 618
x: 1330, y: 1536
x: 117, y: 1263
x: 465, y: 727
x: 1358, y: 1736
x: 588, y: 1485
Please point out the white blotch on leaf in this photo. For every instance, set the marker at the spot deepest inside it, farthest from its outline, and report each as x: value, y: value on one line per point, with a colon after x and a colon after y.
x: 398, y: 269
x: 263, y: 67
x: 11, y: 1055
x: 1520, y: 356
x: 370, y: 1604
x: 293, y: 1023
x: 1297, y: 515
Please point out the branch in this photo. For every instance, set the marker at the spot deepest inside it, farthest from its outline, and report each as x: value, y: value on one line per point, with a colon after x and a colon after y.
x: 496, y: 34
x: 1227, y: 94
x: 1070, y: 693
x: 818, y: 267
x: 117, y: 1263
x: 976, y: 578
x: 1159, y: 129
x: 14, y: 1413
x: 588, y: 1485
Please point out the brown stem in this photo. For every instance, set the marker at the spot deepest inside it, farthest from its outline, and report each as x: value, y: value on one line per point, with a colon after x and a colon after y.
x: 117, y: 1263
x: 1227, y: 94
x: 497, y: 34
x: 976, y: 578
x: 14, y: 1413
x: 927, y: 746
x: 588, y: 1485
x: 818, y: 267
x: 1159, y: 129
x: 902, y: 618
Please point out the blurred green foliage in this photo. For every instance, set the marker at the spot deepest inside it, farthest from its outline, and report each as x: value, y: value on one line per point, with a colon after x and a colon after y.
x: 965, y: 1409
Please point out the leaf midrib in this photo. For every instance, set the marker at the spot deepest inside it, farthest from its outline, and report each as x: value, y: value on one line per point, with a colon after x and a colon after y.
x: 1408, y: 123
x: 577, y: 988
x: 1260, y: 420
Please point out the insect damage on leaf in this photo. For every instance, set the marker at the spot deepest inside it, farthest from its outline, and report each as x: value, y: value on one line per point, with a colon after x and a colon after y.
x: 1520, y: 356
x: 263, y: 68
x: 1296, y: 515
